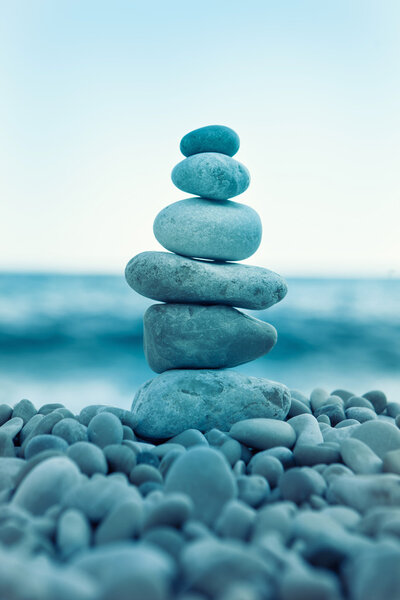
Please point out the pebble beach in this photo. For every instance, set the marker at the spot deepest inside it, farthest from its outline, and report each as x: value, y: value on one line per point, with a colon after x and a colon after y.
x: 215, y: 484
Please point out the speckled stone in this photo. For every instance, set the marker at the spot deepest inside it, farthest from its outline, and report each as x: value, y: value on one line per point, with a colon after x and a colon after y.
x: 203, y: 399
x: 192, y: 336
x: 167, y: 277
x: 217, y: 230
x: 212, y: 138
x: 211, y: 175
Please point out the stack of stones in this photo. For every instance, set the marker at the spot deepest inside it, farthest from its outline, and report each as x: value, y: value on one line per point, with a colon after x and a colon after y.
x: 197, y: 334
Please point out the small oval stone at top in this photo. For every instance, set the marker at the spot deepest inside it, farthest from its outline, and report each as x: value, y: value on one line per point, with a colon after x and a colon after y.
x: 213, y: 138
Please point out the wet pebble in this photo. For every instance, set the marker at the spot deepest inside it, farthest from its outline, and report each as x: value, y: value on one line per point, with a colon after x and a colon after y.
x: 378, y: 400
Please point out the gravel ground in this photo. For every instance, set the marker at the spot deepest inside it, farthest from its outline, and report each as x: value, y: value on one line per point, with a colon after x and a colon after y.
x: 302, y: 509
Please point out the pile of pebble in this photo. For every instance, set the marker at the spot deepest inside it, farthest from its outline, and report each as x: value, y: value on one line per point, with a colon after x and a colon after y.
x: 306, y: 508
x: 197, y: 334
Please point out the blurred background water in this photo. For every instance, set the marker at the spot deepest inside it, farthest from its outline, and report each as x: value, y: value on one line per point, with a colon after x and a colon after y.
x: 77, y: 339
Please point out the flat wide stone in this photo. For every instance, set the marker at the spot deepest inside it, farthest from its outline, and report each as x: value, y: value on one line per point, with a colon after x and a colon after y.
x: 167, y: 277
x: 203, y: 399
x: 211, y: 175
x: 218, y: 230
x: 192, y: 336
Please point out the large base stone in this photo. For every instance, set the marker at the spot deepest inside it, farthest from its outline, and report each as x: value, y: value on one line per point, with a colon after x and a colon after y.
x: 203, y: 399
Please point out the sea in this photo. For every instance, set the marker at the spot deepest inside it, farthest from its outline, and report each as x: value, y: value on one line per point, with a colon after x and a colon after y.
x: 77, y: 339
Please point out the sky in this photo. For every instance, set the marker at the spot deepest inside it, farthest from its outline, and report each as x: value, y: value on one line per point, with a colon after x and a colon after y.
x: 95, y: 96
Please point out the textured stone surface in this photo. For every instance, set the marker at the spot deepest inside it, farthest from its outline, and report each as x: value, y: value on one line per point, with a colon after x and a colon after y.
x: 218, y: 230
x: 192, y: 336
x: 211, y: 175
x: 212, y: 138
x: 177, y: 400
x: 171, y: 278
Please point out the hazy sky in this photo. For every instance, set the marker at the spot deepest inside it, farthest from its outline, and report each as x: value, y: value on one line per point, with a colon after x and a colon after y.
x: 95, y: 96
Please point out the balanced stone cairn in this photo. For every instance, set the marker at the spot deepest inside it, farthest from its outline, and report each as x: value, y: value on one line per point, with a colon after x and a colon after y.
x: 197, y: 334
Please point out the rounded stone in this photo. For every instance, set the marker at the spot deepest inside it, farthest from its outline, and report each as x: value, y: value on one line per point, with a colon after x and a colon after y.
x: 89, y: 458
x: 70, y: 430
x: 44, y: 442
x: 252, y: 489
x: 201, y: 228
x: 203, y: 399
x: 120, y: 458
x: 263, y: 434
x: 205, y: 476
x: 360, y: 414
x: 105, y: 429
x: 380, y: 436
x: 378, y: 400
x: 212, y: 138
x: 235, y: 521
x: 144, y: 473
x: 359, y: 457
x: 172, y: 510
x: 25, y: 410
x: 299, y: 483
x: 268, y: 466
x: 192, y: 336
x: 168, y: 277
x: 73, y: 533
x: 211, y: 175
x: 122, y: 523
x: 46, y: 484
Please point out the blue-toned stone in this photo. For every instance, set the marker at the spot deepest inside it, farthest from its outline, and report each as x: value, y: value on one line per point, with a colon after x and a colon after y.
x: 124, y: 522
x: 73, y: 533
x: 205, y: 476
x: 120, y: 458
x: 46, y: 484
x: 192, y: 336
x: 262, y: 434
x: 167, y: 277
x: 203, y: 399
x: 89, y: 458
x: 211, y: 175
x: 5, y: 413
x: 381, y: 437
x: 25, y: 410
x: 128, y: 570
x: 212, y: 138
x: 70, y: 430
x: 217, y: 230
x: 44, y: 442
x: 105, y: 429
